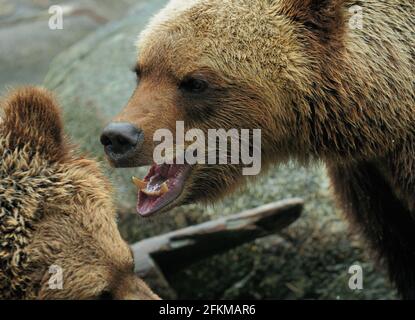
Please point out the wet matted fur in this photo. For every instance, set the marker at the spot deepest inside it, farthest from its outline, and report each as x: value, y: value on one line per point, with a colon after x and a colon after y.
x: 56, y: 210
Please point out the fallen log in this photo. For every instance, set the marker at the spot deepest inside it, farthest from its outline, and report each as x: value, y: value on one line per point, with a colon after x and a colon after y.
x: 158, y: 257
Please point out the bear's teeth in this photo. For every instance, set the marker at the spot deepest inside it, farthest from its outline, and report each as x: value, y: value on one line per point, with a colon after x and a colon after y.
x: 164, y: 188
x: 140, y: 184
x: 143, y: 187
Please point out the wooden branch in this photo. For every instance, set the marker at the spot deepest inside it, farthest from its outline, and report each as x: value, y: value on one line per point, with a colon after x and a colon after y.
x: 173, y: 251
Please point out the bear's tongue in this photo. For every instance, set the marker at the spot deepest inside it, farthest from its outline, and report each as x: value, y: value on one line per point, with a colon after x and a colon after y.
x: 162, y: 185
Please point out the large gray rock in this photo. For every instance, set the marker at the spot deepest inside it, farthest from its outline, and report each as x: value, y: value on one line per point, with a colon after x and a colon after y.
x: 27, y: 45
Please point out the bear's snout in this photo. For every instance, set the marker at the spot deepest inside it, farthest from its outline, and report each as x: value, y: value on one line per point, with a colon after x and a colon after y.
x: 121, y: 142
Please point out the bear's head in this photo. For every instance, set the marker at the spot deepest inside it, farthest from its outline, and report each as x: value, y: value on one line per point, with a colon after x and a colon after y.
x: 213, y: 64
x: 58, y: 231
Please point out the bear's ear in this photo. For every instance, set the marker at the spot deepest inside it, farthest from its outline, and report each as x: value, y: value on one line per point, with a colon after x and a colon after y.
x: 323, y: 17
x: 31, y: 116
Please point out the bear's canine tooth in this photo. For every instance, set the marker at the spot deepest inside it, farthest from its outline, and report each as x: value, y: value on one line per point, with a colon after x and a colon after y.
x: 140, y: 184
x: 164, y: 188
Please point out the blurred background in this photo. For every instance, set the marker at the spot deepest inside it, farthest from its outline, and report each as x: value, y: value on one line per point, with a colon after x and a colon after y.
x: 88, y: 65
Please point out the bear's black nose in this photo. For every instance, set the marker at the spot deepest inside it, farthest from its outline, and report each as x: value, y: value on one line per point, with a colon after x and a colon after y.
x: 121, y: 140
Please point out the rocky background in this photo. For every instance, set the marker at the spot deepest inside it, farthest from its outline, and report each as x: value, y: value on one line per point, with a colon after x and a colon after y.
x: 88, y: 65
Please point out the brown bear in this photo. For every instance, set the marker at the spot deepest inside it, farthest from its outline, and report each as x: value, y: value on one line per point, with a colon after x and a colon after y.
x: 58, y: 231
x: 329, y: 80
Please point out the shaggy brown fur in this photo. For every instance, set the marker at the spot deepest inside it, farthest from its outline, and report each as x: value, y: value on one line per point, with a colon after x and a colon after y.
x: 56, y: 209
x: 317, y: 88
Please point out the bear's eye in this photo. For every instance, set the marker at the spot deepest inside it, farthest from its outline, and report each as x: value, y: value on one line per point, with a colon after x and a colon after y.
x: 193, y: 85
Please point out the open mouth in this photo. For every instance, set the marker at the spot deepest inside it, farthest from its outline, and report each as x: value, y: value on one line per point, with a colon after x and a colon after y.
x: 161, y: 187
